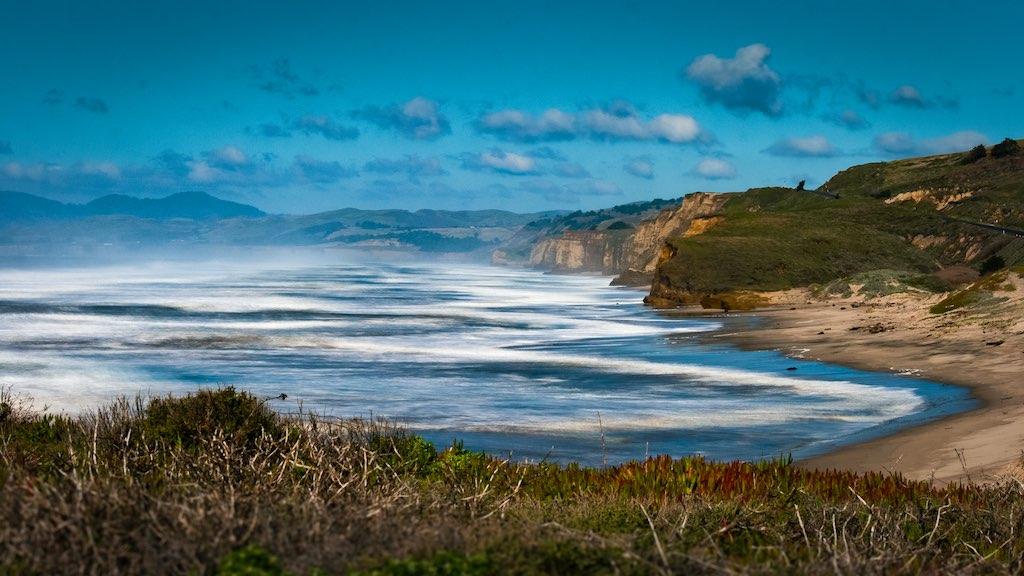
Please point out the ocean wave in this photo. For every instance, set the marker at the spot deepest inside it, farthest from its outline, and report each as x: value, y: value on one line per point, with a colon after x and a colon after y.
x: 468, y: 349
x: 893, y: 402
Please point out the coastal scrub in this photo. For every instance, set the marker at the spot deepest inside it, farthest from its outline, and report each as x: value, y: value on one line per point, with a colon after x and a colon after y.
x: 216, y: 483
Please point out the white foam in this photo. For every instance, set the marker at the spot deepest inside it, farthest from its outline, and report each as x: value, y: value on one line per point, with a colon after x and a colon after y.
x: 497, y: 316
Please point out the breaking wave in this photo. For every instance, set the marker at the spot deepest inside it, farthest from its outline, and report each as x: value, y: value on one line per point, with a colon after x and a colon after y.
x: 508, y: 360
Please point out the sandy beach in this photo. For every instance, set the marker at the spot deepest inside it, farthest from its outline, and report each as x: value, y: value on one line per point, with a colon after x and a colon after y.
x: 982, y: 350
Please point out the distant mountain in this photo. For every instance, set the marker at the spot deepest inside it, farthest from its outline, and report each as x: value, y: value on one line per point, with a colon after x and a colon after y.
x: 18, y: 206
x: 371, y: 219
x: 191, y: 205
x: 21, y: 206
x: 196, y: 218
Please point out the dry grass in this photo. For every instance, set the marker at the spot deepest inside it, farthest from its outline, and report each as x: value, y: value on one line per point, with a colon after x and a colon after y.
x: 193, y: 488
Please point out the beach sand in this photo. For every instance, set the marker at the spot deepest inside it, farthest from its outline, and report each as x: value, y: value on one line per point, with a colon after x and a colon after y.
x: 980, y: 348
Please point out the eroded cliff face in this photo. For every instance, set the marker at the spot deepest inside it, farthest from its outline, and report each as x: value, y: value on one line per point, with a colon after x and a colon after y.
x: 582, y: 251
x: 630, y: 254
x: 697, y: 214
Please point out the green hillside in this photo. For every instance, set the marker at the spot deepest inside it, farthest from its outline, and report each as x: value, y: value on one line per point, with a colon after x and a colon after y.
x: 918, y: 215
x: 992, y: 188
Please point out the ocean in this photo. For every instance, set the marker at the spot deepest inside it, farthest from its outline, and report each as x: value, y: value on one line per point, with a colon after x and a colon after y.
x: 514, y: 362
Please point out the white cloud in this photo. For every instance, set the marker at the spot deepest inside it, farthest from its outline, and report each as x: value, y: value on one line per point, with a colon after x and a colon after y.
x: 228, y: 157
x: 616, y: 122
x: 56, y: 174
x: 500, y: 161
x: 743, y: 82
x: 714, y: 169
x: 640, y: 167
x: 848, y: 118
x: 569, y: 170
x: 809, y: 146
x: 36, y: 171
x: 104, y: 169
x: 200, y: 171
x: 907, y: 95
x: 552, y: 124
x: 321, y: 171
x: 419, y: 118
x: 904, y: 144
x: 411, y: 165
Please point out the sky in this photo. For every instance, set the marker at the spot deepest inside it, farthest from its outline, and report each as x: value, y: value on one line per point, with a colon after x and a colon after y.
x: 297, y: 107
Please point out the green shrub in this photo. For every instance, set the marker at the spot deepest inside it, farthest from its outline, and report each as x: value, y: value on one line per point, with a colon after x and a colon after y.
x: 1008, y: 147
x: 39, y: 442
x: 441, y: 564
x: 975, y: 154
x: 404, y: 453
x: 992, y: 264
x: 978, y: 293
x: 459, y: 462
x: 880, y: 283
x: 250, y: 561
x: 956, y: 301
x: 554, y: 555
x: 189, y: 419
x: 928, y: 283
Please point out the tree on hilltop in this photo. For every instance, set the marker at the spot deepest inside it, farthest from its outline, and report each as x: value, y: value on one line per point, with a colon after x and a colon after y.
x: 975, y: 154
x: 1008, y: 147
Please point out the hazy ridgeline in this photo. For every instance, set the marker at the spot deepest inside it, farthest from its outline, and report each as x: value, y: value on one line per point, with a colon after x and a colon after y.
x: 217, y: 483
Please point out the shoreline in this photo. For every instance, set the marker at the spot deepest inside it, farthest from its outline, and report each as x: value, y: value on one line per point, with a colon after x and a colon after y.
x: 981, y: 444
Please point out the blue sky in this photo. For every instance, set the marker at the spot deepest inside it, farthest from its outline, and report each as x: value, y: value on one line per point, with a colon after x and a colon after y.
x: 305, y: 106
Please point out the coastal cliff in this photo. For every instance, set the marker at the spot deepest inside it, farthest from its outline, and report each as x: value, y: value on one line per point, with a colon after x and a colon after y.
x: 630, y: 252
x: 928, y: 224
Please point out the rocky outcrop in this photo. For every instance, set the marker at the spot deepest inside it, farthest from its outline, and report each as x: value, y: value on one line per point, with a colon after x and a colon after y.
x: 630, y: 254
x: 600, y: 251
x: 941, y: 201
x: 697, y: 214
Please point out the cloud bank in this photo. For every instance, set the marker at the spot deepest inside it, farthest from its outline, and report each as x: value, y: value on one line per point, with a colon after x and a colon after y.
x: 714, y: 169
x: 617, y: 122
x: 417, y: 119
x: 803, y: 147
x: 904, y: 144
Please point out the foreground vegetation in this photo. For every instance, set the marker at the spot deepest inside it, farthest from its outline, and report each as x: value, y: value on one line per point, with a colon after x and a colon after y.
x: 217, y: 483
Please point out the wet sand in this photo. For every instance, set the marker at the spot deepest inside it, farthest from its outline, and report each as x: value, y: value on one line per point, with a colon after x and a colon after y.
x: 979, y: 350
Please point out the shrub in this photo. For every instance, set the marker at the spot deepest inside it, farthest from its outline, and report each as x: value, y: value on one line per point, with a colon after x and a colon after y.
x: 1007, y: 147
x: 992, y: 264
x: 250, y: 561
x: 459, y: 462
x: 441, y: 564
x: 38, y: 443
x: 404, y: 453
x: 620, y: 225
x: 929, y: 283
x: 187, y: 420
x: 975, y: 154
